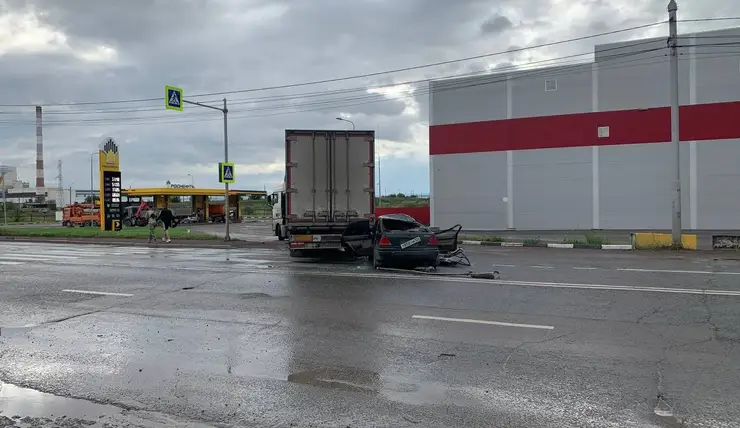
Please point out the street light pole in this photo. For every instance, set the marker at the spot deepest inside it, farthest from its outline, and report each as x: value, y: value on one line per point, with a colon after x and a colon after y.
x: 225, y: 111
x: 192, y: 180
x: 675, y: 136
x: 347, y: 120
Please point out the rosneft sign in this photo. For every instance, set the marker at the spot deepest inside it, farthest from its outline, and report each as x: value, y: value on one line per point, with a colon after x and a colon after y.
x: 111, y: 207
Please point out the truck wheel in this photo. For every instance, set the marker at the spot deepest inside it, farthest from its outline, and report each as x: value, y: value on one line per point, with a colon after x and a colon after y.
x: 296, y: 253
x: 278, y: 233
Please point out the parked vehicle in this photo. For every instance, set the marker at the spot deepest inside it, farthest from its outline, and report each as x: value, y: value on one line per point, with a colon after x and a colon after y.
x: 279, y: 215
x: 329, y: 184
x: 82, y: 215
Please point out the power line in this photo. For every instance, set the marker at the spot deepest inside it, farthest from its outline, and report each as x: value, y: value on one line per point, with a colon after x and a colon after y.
x: 360, y: 76
x: 370, y: 99
x: 363, y: 89
x: 452, y: 83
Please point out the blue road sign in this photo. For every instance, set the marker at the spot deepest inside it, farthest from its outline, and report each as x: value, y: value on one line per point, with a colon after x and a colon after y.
x: 226, y: 172
x: 173, y: 98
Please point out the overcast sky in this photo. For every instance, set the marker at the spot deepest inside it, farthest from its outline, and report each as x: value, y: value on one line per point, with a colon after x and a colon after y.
x: 71, y: 51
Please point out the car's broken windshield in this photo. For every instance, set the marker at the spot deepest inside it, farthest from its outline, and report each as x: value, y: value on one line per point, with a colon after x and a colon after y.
x: 398, y: 225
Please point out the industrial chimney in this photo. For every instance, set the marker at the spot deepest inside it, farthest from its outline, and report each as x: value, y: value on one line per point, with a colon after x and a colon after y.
x: 39, y: 151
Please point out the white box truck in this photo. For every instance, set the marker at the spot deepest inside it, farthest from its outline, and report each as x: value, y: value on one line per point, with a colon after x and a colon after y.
x: 329, y: 185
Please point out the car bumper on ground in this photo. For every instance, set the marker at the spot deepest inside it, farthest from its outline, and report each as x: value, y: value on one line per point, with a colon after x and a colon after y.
x: 420, y: 256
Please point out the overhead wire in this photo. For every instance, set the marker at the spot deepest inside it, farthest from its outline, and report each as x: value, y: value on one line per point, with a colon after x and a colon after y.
x: 495, y: 78
x: 363, y: 89
x: 443, y: 85
x: 353, y: 77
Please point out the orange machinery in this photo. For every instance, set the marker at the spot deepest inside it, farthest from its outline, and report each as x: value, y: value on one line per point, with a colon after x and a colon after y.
x: 81, y: 215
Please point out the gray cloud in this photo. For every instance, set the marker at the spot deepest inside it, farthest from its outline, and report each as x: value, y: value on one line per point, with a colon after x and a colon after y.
x: 496, y: 24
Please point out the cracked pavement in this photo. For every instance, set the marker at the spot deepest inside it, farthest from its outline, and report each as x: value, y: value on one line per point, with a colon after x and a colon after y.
x: 250, y: 338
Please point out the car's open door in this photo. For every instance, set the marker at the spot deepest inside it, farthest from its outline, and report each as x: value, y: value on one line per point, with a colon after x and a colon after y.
x: 448, y: 238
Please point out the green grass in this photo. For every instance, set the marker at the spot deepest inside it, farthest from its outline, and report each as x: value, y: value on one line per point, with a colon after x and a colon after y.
x: 588, y: 239
x: 482, y: 238
x: 532, y: 241
x: 94, y: 232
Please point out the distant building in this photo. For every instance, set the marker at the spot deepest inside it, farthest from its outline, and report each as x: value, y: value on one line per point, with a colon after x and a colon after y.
x: 8, y: 176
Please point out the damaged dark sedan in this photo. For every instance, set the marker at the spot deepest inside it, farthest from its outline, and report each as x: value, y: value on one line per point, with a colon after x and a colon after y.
x: 398, y: 240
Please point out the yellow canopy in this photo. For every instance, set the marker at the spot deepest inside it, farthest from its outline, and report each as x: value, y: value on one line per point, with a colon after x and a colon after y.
x: 188, y: 191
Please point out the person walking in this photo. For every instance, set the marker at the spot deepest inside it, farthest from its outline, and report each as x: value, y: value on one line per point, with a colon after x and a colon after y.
x: 166, y: 217
x: 152, y: 224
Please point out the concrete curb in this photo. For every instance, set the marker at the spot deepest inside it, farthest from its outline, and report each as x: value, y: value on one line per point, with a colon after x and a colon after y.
x: 546, y: 245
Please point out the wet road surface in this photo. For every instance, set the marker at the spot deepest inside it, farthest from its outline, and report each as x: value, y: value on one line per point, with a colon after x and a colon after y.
x: 249, y: 337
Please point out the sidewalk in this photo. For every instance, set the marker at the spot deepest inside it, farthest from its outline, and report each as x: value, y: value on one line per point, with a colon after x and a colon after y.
x: 579, y: 237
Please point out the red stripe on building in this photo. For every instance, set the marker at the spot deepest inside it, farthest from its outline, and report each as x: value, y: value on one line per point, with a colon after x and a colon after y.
x: 718, y: 121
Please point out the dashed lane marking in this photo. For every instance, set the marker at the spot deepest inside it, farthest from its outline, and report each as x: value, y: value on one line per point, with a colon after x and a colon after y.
x: 471, y: 321
x: 98, y: 293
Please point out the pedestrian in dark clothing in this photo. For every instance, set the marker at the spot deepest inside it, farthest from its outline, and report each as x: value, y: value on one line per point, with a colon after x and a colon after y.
x: 166, y: 217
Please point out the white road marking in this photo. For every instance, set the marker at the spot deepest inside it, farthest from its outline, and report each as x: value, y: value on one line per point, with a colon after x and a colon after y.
x: 500, y: 265
x: 542, y: 267
x: 35, y: 257
x: 99, y: 293
x: 3, y: 262
x: 695, y: 272
x: 584, y: 268
x: 465, y: 320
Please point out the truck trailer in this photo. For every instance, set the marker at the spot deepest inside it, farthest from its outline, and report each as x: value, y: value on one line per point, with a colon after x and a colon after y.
x: 329, y: 184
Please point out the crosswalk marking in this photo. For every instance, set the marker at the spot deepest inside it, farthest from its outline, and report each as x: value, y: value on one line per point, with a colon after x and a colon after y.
x: 67, y: 254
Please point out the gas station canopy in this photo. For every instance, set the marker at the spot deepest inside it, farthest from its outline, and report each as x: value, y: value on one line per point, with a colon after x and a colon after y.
x: 188, y: 191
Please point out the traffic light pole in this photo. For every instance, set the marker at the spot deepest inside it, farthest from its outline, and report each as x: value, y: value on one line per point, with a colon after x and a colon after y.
x: 225, y: 111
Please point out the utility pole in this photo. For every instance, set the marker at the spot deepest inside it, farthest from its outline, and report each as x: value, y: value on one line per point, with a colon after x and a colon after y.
x: 225, y: 111
x: 675, y: 137
x: 227, y: 237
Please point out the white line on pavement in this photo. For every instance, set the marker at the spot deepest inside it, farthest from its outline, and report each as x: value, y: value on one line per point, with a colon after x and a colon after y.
x: 542, y: 267
x: 695, y: 272
x: 584, y: 268
x: 3, y: 262
x: 100, y: 293
x: 465, y: 320
x: 35, y: 257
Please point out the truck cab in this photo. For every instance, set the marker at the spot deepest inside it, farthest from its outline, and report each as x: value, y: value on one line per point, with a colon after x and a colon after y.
x: 278, y: 203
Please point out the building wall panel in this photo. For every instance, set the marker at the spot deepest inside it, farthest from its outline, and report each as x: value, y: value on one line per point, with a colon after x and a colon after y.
x: 469, y: 190
x: 572, y: 93
x: 718, y: 181
x: 468, y: 100
x: 552, y: 189
x: 636, y: 183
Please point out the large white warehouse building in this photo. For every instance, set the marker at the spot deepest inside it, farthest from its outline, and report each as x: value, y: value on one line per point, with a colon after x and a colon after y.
x: 588, y: 146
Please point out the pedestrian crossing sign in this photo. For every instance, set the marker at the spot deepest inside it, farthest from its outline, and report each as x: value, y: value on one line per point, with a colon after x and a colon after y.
x: 173, y: 98
x: 226, y: 172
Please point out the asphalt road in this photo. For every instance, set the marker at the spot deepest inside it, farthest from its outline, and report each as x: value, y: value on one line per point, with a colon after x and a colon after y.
x: 197, y: 337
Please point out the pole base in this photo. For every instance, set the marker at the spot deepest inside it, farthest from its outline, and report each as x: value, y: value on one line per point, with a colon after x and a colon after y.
x: 227, y: 238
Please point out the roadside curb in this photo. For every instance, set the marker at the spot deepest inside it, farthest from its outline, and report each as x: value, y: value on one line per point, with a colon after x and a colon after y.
x: 133, y: 242
x: 622, y: 247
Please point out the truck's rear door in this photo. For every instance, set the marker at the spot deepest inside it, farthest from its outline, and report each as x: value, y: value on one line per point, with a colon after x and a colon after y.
x: 329, y: 176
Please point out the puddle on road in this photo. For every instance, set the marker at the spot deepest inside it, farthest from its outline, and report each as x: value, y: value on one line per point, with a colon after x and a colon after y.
x: 369, y: 382
x: 344, y: 378
x: 25, y: 402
